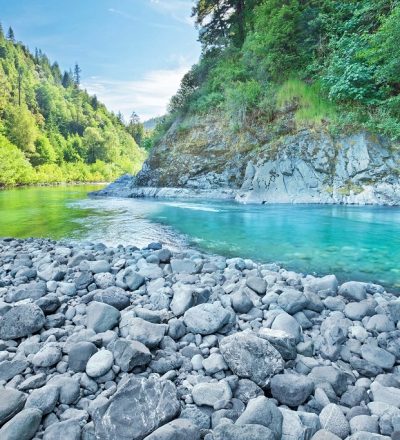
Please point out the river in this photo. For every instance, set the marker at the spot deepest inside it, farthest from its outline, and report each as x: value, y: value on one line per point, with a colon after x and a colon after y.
x: 360, y: 243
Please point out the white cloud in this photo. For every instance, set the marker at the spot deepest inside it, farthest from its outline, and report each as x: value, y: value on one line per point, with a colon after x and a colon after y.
x: 148, y: 96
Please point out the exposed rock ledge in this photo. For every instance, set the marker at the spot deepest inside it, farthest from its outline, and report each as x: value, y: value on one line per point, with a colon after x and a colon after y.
x: 125, y: 187
x: 306, y: 167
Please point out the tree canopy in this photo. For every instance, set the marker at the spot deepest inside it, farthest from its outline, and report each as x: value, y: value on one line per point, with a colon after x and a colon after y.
x: 343, y: 54
x: 50, y: 123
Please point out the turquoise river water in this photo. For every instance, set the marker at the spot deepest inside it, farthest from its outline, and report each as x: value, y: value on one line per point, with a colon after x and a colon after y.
x: 361, y: 243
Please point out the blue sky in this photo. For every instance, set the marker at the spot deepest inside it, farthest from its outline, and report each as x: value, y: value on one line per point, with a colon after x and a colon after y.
x: 133, y: 53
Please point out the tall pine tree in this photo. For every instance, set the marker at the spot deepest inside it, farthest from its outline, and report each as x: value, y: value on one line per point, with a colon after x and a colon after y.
x: 10, y: 34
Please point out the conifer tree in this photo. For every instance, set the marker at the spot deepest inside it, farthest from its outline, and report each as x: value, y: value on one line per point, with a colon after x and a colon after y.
x: 10, y: 34
x: 77, y: 74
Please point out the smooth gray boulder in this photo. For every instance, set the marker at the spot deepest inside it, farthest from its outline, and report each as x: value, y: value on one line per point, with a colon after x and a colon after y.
x: 69, y: 429
x: 22, y: 320
x: 100, y: 363
x: 130, y: 279
x: 102, y: 317
x: 291, y: 389
x: 179, y: 429
x: 11, y: 402
x: 9, y: 369
x: 207, y: 394
x: 185, y: 266
x: 332, y: 375
x: 214, y: 363
x: 389, y: 395
x: 137, y: 409
x: 251, y: 357
x: 47, y: 356
x: 206, y: 319
x: 288, y: 324
x: 113, y: 296
x: 23, y: 426
x: 262, y: 411
x: 182, y: 299
x: 292, y: 301
x: 325, y: 287
x: 129, y: 354
x: 241, y: 303
x: 364, y: 422
x: 44, y: 398
x: 68, y: 387
x: 79, y: 355
x: 257, y: 284
x: 227, y: 431
x: 146, y: 332
x: 378, y: 356
x: 353, y: 290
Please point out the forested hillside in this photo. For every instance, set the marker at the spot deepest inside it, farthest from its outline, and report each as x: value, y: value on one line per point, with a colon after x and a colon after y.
x: 327, y: 62
x: 53, y: 131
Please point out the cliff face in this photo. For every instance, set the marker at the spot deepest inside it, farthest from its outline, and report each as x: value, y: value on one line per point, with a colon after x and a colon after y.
x: 205, y: 157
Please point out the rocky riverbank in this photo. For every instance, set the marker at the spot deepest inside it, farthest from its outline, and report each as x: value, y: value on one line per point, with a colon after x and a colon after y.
x: 259, y: 165
x: 130, y: 344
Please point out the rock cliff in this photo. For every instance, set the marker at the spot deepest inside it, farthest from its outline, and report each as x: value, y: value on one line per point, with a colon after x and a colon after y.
x: 205, y: 157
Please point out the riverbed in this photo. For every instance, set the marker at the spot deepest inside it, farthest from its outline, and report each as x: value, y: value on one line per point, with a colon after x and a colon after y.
x: 354, y: 242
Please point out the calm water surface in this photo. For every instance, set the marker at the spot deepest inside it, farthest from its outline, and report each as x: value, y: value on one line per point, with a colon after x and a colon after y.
x: 360, y: 243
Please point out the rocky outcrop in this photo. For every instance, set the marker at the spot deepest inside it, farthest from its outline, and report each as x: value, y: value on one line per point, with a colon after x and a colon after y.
x: 205, y: 158
x: 316, y: 168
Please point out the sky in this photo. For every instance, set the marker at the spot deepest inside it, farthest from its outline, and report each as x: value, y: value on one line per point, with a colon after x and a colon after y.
x: 133, y: 53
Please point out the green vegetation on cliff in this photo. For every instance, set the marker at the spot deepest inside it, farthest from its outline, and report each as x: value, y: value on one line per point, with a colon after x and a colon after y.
x: 51, y: 130
x: 329, y: 62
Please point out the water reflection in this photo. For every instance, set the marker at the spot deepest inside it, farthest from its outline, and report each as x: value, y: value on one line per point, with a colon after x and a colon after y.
x: 353, y: 242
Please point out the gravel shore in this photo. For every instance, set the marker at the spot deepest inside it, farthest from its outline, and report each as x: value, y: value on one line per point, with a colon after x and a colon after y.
x: 130, y: 344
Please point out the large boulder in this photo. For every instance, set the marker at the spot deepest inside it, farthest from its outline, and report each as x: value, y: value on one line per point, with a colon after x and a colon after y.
x: 137, y: 409
x: 79, y: 355
x: 333, y: 420
x: 207, y: 394
x: 262, y: 411
x: 146, y: 332
x: 113, y: 296
x: 100, y: 363
x: 129, y: 354
x: 251, y: 357
x: 206, y: 319
x: 102, y: 317
x: 44, y: 398
x: 23, y: 426
x: 298, y: 424
x: 11, y: 402
x: 22, y: 320
x: 291, y: 389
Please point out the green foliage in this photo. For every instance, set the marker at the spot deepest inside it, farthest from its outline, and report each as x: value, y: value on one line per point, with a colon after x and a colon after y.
x: 275, y: 42
x: 61, y: 133
x: 310, y: 105
x: 343, y: 54
x: 240, y: 98
x: 14, y: 167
